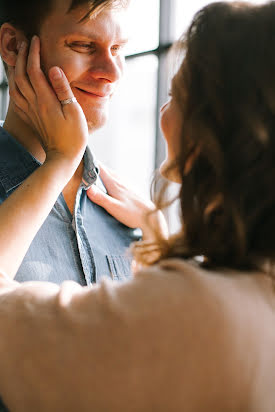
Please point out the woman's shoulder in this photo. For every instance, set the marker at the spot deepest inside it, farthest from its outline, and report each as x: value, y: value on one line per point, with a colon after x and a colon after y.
x: 224, y: 319
x: 215, y: 280
x: 227, y: 296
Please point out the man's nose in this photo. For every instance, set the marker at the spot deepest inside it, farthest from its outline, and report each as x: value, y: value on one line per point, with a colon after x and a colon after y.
x: 107, y: 67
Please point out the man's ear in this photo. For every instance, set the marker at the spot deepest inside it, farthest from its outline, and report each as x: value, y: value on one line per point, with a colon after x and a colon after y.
x: 9, y: 40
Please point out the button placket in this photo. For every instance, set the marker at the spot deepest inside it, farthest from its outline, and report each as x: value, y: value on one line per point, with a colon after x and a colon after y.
x: 85, y: 251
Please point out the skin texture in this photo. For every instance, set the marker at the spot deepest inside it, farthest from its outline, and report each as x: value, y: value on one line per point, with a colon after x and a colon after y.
x: 90, y: 54
x: 63, y: 135
x: 170, y: 123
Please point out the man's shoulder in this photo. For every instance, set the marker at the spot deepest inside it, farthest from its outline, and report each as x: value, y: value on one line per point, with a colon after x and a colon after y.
x: 8, y: 146
x: 16, y: 163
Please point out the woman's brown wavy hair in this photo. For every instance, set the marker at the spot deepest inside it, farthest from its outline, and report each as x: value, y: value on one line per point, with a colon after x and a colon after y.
x: 225, y: 89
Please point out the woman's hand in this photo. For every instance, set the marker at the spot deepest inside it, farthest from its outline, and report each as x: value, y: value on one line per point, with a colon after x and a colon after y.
x: 61, y: 130
x: 127, y: 207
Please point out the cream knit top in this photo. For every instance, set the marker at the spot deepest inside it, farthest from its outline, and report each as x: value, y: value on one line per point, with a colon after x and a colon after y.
x: 175, y: 338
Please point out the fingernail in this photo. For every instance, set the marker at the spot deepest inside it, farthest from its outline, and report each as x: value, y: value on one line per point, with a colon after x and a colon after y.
x: 34, y: 38
x: 56, y: 74
x: 23, y: 45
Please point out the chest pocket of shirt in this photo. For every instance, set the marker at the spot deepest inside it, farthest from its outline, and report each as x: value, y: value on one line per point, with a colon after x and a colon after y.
x: 120, y: 267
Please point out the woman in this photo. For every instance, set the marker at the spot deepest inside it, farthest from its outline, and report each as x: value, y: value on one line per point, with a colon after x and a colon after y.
x: 195, y: 331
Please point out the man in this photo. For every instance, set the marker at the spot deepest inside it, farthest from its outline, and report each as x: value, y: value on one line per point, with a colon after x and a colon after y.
x: 79, y: 240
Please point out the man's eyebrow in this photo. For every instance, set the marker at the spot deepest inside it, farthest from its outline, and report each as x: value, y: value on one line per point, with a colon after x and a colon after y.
x: 95, y: 38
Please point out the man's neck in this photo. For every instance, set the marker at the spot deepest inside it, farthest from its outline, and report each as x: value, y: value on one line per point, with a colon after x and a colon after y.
x: 24, y: 134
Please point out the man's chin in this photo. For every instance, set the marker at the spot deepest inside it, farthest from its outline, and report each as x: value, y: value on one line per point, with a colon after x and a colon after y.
x: 95, y: 121
x: 93, y: 126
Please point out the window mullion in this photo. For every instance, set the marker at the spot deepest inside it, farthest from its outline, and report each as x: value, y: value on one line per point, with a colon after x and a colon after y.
x: 165, y: 38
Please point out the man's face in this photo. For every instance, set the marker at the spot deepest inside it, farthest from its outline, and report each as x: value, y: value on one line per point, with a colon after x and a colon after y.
x: 90, y: 54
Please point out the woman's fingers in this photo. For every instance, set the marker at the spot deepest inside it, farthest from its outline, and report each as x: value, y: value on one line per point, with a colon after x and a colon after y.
x: 15, y: 94
x: 20, y: 75
x: 57, y: 125
x: 99, y: 197
x: 114, y: 207
x: 32, y: 82
x: 41, y: 87
x: 48, y: 98
x: 39, y: 82
x: 111, y: 181
x: 125, y: 210
x: 23, y: 115
x: 21, y: 105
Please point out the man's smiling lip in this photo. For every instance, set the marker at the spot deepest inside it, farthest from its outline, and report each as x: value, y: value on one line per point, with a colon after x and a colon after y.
x: 92, y: 94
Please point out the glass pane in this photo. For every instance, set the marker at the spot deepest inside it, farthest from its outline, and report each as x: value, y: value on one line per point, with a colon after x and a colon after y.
x: 4, y: 95
x: 184, y: 12
x: 127, y: 142
x: 143, y: 22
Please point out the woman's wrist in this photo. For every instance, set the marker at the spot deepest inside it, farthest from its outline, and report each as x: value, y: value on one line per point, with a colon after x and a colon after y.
x: 71, y: 159
x: 62, y: 164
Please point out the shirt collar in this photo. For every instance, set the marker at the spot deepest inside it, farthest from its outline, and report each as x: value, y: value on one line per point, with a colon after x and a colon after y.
x: 16, y: 163
x: 91, y: 169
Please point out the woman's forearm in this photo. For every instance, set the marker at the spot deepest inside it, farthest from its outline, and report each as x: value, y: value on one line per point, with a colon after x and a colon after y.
x: 61, y: 130
x: 23, y: 213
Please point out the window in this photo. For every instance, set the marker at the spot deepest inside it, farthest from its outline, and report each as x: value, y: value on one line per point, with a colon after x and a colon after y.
x: 3, y: 93
x: 133, y: 138
x: 131, y: 143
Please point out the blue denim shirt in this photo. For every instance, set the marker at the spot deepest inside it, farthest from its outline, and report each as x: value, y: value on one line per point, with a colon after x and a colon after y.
x: 83, y: 247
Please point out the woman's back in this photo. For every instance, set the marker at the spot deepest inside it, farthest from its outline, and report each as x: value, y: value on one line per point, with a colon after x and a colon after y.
x: 225, y: 351
x: 176, y: 338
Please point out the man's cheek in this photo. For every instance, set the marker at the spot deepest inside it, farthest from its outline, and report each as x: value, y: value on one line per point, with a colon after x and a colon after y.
x: 71, y: 64
x: 73, y: 68
x: 44, y: 68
